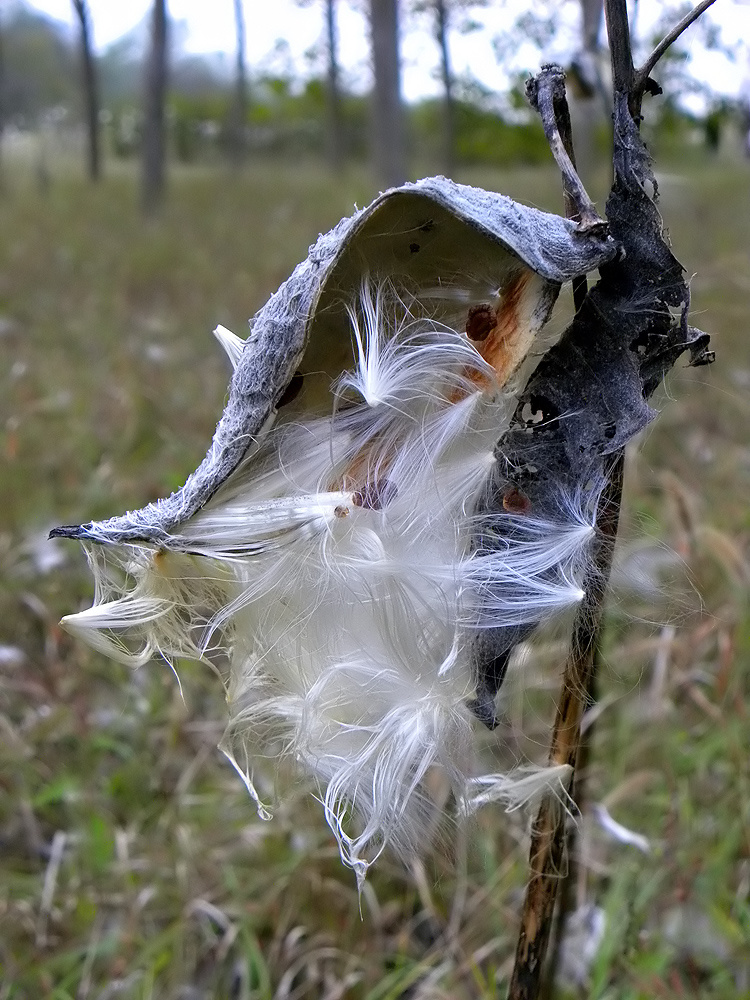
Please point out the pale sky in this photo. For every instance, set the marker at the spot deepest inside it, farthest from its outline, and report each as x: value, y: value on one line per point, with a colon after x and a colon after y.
x: 210, y: 28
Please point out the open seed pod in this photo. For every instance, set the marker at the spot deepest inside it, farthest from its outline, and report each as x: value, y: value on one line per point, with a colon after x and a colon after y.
x: 444, y: 246
x: 338, y: 569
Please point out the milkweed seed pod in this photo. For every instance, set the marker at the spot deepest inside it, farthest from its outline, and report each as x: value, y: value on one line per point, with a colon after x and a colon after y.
x: 365, y: 574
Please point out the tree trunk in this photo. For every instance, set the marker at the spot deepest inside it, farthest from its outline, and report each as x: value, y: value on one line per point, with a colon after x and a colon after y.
x: 449, y: 116
x: 590, y: 102
x: 591, y: 22
x: 90, y: 89
x: 238, y: 136
x: 333, y: 93
x: 154, y: 141
x: 388, y: 131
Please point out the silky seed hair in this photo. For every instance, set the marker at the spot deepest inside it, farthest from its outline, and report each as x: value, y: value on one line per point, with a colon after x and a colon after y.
x: 343, y: 575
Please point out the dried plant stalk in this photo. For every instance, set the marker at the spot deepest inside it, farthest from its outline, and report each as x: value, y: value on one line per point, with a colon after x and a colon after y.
x: 548, y: 839
x: 639, y: 308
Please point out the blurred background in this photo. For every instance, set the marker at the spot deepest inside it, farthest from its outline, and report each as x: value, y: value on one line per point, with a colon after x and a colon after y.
x: 163, y: 167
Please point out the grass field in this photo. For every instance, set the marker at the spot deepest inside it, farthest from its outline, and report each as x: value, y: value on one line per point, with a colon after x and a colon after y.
x: 132, y: 864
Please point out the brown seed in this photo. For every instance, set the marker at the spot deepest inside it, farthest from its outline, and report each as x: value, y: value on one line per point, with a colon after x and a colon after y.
x: 341, y: 511
x: 516, y: 502
x: 374, y: 495
x: 480, y: 322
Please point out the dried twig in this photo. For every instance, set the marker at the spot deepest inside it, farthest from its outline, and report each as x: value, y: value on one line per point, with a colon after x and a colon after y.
x: 642, y: 74
x: 610, y: 508
x: 548, y: 839
x: 626, y: 79
x: 546, y: 93
x: 580, y: 288
x: 559, y: 132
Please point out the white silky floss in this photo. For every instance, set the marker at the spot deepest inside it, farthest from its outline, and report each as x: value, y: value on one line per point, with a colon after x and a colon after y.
x: 338, y: 571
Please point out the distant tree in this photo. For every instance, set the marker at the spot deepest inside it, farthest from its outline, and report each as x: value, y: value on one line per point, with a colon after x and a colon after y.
x: 90, y: 89
x: 590, y: 100
x: 333, y: 91
x: 449, y: 116
x: 335, y: 138
x: 447, y: 15
x: 2, y: 93
x: 592, y: 12
x: 154, y: 138
x: 744, y: 102
x: 40, y: 66
x: 238, y: 124
x: 389, y: 155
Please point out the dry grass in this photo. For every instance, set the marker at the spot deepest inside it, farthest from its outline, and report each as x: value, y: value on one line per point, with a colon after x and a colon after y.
x: 133, y: 865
